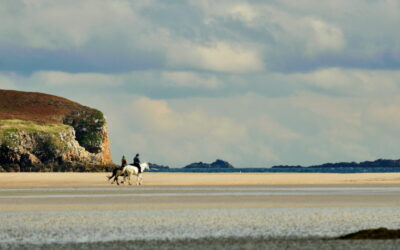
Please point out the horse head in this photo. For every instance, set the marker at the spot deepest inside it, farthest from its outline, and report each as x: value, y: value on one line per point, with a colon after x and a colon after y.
x: 144, y: 166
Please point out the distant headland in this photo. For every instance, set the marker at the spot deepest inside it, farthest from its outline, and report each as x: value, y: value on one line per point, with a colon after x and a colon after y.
x: 41, y: 132
x: 380, y: 163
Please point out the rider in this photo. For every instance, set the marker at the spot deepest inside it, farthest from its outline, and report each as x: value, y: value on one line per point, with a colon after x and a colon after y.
x: 123, y: 161
x: 136, y: 162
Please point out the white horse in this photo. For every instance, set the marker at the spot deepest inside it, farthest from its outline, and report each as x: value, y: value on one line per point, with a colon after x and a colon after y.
x: 130, y: 170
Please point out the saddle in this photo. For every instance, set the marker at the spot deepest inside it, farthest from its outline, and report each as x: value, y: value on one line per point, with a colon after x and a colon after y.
x: 138, y: 166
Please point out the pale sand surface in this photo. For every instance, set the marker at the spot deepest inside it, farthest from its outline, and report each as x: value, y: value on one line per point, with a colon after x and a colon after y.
x: 220, y: 202
x: 92, y: 191
x: 28, y: 180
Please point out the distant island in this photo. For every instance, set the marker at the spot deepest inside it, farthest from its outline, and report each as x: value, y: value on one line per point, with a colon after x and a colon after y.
x: 216, y: 164
x: 154, y: 166
x: 340, y: 166
x: 380, y: 163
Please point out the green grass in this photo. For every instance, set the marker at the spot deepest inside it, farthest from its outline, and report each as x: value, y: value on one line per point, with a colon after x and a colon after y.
x: 9, y: 132
x: 13, y: 126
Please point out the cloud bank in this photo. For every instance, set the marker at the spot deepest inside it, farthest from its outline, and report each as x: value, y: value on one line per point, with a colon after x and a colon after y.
x: 256, y: 83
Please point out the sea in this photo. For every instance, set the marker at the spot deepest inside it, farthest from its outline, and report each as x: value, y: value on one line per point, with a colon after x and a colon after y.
x: 343, y: 170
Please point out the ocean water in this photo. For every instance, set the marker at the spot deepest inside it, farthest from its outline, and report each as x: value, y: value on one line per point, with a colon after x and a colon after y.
x: 230, y: 227
x: 284, y: 170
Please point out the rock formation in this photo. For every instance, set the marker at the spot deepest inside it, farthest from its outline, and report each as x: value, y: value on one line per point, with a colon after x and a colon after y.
x: 40, y: 132
x: 376, y: 233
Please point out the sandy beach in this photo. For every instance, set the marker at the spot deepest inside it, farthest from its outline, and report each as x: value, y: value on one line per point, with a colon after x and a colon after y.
x: 27, y: 180
x: 85, y: 211
x: 66, y: 191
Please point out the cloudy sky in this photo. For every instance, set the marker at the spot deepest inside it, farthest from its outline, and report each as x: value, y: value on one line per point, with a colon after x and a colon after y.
x: 257, y: 83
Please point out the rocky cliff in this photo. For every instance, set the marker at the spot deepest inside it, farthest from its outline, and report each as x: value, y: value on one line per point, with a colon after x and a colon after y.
x: 40, y: 132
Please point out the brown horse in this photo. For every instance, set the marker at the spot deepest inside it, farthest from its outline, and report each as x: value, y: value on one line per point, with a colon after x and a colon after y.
x: 117, y: 172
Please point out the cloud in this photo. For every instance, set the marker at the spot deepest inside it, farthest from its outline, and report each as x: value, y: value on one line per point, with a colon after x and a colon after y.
x: 355, y: 82
x: 168, y: 84
x: 245, y: 12
x: 224, y: 36
x: 167, y: 130
x: 62, y: 79
x: 259, y: 131
x: 190, y: 79
x: 219, y: 57
x: 6, y: 83
x: 63, y: 24
x: 157, y: 115
x: 326, y: 36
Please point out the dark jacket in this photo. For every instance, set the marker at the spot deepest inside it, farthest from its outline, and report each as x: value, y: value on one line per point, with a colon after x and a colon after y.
x: 136, y: 161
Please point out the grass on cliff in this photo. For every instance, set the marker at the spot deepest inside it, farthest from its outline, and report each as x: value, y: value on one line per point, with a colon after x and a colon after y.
x: 8, y: 127
x: 10, y: 137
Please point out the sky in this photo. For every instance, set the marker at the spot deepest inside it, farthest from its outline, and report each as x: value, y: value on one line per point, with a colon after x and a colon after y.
x: 256, y: 83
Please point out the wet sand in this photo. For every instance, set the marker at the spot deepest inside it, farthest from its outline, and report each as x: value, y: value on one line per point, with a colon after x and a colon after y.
x: 197, y: 197
x: 31, y: 180
x: 127, y: 214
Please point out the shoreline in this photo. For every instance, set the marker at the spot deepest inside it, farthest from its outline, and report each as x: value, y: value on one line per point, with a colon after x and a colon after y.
x: 75, y: 179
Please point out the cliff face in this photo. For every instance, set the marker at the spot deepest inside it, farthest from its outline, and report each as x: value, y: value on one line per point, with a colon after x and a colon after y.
x: 40, y: 132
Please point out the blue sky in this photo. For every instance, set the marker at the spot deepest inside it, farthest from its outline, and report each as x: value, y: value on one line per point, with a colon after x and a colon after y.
x: 257, y: 83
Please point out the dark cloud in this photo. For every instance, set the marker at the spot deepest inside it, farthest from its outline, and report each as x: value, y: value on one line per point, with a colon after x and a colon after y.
x: 288, y: 37
x: 25, y: 60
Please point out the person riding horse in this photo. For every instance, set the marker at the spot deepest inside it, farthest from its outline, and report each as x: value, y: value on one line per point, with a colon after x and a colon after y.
x: 136, y: 162
x: 123, y: 162
x: 118, y: 171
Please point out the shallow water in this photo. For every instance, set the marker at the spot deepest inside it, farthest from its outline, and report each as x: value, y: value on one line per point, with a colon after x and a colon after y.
x: 261, y: 227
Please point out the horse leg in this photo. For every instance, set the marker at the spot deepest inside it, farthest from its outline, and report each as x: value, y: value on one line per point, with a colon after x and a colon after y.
x: 110, y: 177
x: 140, y: 178
x: 129, y: 178
x: 116, y: 180
x: 123, y: 180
